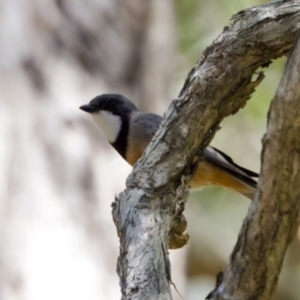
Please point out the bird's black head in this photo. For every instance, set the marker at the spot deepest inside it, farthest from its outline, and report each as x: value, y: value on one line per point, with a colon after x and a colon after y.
x: 113, y: 103
x: 112, y: 114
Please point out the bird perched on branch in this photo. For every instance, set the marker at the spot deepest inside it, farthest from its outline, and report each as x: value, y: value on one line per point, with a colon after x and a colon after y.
x: 129, y: 131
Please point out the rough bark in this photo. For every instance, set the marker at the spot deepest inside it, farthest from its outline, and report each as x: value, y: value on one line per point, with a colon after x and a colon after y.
x: 148, y: 214
x: 273, y: 217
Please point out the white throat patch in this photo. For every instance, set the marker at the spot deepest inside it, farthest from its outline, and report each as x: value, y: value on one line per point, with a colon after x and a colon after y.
x: 109, y: 124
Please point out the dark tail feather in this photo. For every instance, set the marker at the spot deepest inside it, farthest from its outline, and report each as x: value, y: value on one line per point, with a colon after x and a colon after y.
x: 229, y: 159
x: 225, y: 163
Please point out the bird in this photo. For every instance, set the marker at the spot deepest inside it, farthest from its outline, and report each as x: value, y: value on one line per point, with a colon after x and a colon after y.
x: 129, y: 131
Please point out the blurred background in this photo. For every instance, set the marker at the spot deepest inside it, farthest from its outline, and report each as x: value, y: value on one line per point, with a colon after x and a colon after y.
x: 58, y: 175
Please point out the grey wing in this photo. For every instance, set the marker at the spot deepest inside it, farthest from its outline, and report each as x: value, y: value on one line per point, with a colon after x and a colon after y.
x: 147, y: 123
x: 152, y: 122
x: 142, y: 130
x: 225, y: 163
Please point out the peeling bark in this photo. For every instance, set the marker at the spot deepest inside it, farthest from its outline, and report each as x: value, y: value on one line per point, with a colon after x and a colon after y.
x: 148, y: 214
x: 273, y: 217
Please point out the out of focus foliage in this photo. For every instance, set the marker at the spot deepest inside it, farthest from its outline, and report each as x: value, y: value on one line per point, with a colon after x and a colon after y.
x: 59, y: 175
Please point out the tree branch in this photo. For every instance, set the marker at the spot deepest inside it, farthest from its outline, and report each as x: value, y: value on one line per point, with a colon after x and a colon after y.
x: 273, y: 217
x: 148, y: 215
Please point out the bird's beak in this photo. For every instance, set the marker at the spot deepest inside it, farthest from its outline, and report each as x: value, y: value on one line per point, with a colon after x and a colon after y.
x: 88, y: 108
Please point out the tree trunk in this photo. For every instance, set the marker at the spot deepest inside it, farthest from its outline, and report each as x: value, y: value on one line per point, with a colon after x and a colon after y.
x: 273, y: 217
x: 148, y: 214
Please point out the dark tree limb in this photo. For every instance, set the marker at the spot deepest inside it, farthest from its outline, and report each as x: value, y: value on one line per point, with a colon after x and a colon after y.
x: 273, y: 217
x: 148, y: 215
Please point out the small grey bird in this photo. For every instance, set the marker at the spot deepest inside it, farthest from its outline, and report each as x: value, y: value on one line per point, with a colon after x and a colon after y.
x: 129, y: 131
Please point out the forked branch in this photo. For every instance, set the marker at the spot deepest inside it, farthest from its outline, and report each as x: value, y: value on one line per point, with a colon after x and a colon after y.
x: 148, y: 214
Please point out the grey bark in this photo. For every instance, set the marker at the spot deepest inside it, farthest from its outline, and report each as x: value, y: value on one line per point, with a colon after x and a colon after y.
x: 273, y: 217
x: 148, y: 214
